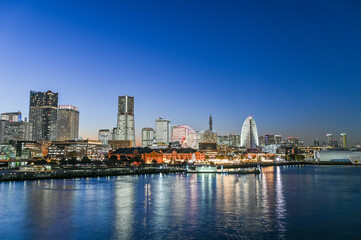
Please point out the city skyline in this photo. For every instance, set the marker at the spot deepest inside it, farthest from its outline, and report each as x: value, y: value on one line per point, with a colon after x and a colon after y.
x: 327, y: 138
x: 297, y: 76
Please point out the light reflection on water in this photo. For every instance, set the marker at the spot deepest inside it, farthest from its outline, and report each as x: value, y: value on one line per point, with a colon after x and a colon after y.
x: 280, y: 203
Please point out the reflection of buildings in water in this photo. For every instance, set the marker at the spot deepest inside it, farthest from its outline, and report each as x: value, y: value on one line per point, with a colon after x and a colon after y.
x: 46, y: 201
x: 123, y: 207
x: 280, y: 205
x: 276, y: 203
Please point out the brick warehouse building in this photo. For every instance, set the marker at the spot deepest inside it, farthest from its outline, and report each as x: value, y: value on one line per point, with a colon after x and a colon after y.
x: 160, y: 155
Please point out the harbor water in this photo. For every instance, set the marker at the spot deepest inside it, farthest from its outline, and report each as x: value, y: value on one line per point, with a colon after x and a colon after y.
x: 285, y: 202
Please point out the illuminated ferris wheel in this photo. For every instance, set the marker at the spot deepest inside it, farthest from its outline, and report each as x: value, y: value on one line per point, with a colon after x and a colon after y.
x: 185, y: 135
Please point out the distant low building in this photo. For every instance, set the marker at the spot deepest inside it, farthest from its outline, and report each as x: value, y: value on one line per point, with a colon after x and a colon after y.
x: 116, y: 144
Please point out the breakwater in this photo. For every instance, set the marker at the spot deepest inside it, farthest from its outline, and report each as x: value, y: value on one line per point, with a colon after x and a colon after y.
x: 81, y: 173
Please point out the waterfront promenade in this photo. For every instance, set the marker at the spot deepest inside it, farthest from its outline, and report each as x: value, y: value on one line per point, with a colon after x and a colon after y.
x: 63, y: 173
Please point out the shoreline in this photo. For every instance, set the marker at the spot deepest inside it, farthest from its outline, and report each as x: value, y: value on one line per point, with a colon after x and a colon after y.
x: 105, y: 172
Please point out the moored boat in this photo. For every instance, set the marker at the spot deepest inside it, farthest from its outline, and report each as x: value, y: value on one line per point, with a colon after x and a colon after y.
x: 355, y: 160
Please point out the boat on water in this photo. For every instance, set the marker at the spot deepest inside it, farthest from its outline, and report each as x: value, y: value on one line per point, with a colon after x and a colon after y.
x: 213, y: 169
x: 355, y: 160
x: 202, y: 169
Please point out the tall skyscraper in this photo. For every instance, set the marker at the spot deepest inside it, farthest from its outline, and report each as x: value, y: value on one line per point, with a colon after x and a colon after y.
x: 343, y: 140
x: 11, y: 116
x: 68, y: 123
x: 249, y: 134
x: 125, y: 124
x: 163, y: 131
x: 147, y: 137
x: 329, y: 140
x: 43, y: 115
x: 316, y: 143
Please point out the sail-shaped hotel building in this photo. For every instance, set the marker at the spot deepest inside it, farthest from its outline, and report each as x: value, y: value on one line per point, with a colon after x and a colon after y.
x: 249, y: 134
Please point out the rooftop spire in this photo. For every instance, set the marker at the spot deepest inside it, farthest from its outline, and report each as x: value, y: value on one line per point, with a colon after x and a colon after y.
x: 210, y: 123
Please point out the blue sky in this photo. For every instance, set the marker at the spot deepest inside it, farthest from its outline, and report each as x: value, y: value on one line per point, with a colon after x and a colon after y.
x: 294, y: 66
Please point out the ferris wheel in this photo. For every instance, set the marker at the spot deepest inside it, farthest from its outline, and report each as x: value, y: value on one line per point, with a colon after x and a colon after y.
x: 185, y: 135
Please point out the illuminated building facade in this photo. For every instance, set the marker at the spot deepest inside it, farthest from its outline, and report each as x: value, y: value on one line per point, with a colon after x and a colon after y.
x: 78, y: 149
x: 68, y: 123
x: 249, y: 134
x: 125, y: 123
x: 160, y: 155
x: 43, y: 115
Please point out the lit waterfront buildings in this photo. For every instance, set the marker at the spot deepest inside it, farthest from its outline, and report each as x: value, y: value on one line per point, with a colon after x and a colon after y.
x: 77, y: 149
x: 68, y: 123
x: 11, y: 116
x: 343, y: 140
x: 43, y: 115
x: 162, y: 131
x: 104, y: 136
x: 125, y: 124
x: 249, y: 134
x: 147, y: 137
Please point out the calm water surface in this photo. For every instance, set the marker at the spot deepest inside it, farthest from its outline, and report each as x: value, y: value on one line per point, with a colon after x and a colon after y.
x: 291, y: 202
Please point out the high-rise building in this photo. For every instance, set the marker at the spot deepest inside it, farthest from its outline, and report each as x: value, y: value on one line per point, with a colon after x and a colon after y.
x: 125, y: 123
x: 249, y: 134
x: 329, y: 140
x: 2, y: 130
x: 334, y: 143
x: 262, y: 141
x: 68, y: 123
x: 343, y: 140
x: 113, y: 134
x: 278, y: 139
x: 163, y: 131
x: 17, y: 131
x: 104, y: 136
x: 234, y: 139
x: 316, y: 143
x: 11, y: 116
x: 294, y: 141
x: 147, y: 137
x: 43, y: 115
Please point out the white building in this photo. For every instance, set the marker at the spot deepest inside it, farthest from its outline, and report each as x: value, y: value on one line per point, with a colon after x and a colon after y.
x: 249, y: 134
x: 147, y: 137
x: 163, y: 131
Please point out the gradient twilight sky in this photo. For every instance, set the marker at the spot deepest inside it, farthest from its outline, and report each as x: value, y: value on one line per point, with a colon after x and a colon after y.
x: 294, y: 65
